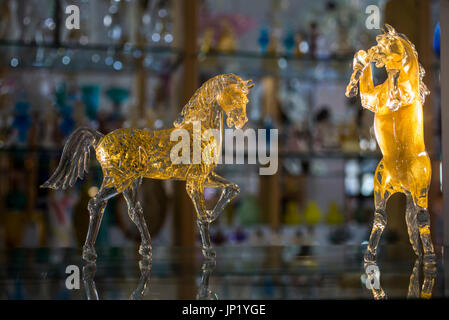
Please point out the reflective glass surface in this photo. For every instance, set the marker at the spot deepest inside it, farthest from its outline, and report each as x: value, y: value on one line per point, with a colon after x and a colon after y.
x: 239, y: 272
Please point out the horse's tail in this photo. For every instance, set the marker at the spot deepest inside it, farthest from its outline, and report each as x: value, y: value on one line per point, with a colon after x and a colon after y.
x: 75, y: 158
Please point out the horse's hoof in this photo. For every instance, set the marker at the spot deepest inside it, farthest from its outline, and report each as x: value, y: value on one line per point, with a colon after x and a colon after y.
x: 209, y: 253
x: 89, y: 254
x: 145, y: 251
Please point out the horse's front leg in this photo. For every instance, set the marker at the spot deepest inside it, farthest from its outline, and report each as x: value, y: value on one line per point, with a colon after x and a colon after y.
x: 360, y: 62
x: 229, y: 191
x: 195, y: 190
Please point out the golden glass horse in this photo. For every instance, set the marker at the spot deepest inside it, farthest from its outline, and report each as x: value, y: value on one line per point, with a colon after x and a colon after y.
x: 398, y: 122
x: 128, y: 155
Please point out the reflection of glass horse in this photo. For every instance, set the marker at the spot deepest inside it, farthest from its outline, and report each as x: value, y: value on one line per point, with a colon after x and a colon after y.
x: 128, y: 155
x: 398, y: 122
x: 415, y: 291
x: 203, y: 292
x: 138, y: 294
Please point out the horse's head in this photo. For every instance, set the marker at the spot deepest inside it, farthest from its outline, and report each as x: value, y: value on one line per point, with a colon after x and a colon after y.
x: 229, y: 90
x: 389, y: 51
x: 233, y: 99
x: 400, y: 59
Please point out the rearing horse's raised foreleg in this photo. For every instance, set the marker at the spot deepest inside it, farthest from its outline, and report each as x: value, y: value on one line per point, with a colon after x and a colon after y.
x: 195, y: 190
x: 229, y: 191
x: 135, y: 212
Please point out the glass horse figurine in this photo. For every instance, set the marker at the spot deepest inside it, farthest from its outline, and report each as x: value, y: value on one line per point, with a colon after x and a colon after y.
x: 128, y: 155
x: 398, y: 122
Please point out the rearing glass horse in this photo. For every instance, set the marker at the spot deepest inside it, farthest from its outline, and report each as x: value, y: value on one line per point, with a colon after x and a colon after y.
x: 398, y: 122
x: 128, y: 155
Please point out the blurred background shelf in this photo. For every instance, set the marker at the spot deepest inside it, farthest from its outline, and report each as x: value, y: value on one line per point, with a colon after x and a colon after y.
x: 89, y: 58
x: 254, y: 64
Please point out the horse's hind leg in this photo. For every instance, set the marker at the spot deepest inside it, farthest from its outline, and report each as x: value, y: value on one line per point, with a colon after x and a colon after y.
x: 381, y: 196
x: 412, y: 224
x: 423, y: 219
x: 96, y: 209
x: 135, y: 212
x: 418, y: 223
x: 413, y: 287
x: 429, y: 272
x: 380, y: 221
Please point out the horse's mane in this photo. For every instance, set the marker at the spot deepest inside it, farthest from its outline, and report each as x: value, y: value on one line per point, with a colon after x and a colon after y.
x: 423, y: 90
x: 199, y: 106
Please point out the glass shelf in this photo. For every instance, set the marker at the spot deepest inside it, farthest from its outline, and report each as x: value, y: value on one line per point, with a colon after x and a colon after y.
x: 330, y: 155
x: 270, y: 272
x: 334, y: 68
x: 96, y: 58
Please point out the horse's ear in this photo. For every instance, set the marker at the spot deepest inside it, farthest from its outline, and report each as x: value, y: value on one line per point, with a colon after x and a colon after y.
x: 388, y: 29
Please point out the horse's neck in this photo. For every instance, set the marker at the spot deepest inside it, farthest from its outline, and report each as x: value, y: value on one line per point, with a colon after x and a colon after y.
x: 219, y: 127
x: 213, y: 121
x: 216, y: 117
x: 204, y: 108
x: 410, y: 69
